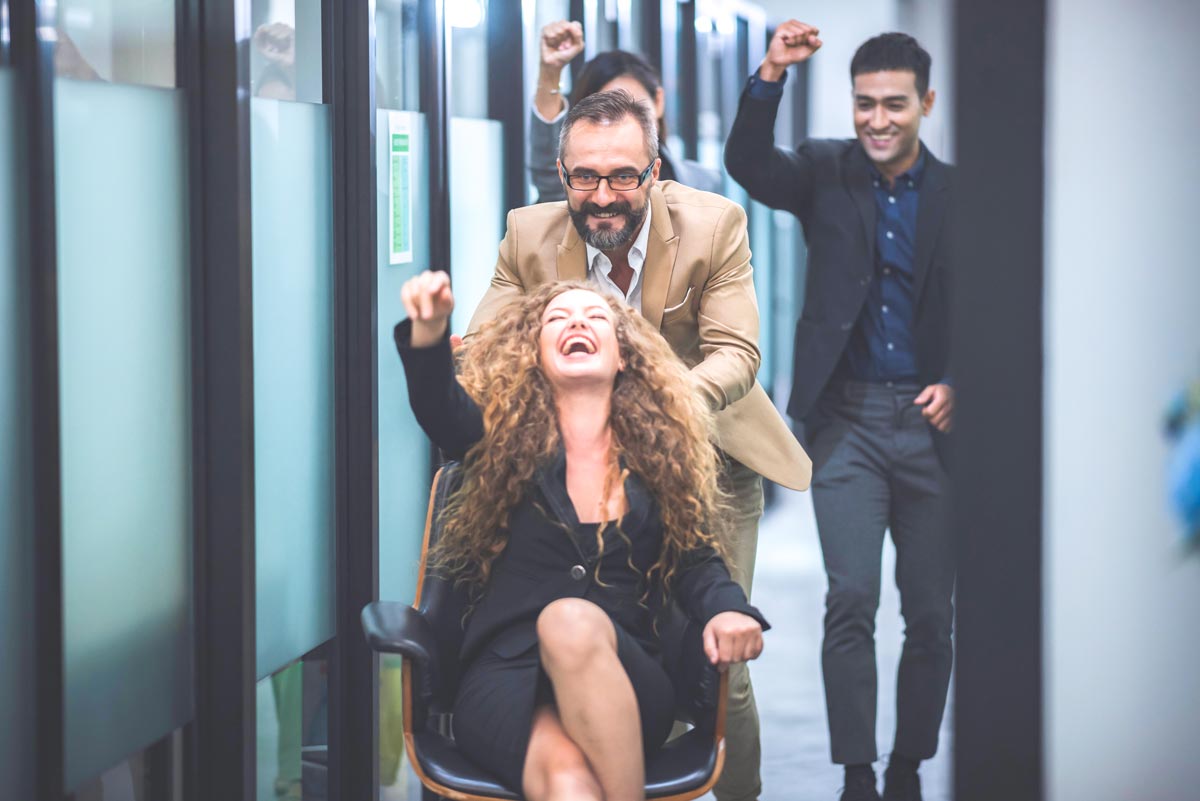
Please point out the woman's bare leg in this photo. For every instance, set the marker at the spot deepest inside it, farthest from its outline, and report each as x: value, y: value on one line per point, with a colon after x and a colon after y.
x: 596, y: 703
x: 555, y: 768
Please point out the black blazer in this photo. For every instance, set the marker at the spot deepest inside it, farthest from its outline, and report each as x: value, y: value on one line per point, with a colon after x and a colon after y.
x: 826, y: 183
x: 545, y: 540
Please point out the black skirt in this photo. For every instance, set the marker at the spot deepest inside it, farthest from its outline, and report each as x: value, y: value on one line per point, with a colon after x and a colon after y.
x: 493, y: 713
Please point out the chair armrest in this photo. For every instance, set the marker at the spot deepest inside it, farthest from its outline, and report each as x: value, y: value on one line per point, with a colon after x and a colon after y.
x: 397, y: 628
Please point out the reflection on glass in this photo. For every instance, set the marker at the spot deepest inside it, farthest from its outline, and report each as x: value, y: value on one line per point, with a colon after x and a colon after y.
x: 16, y: 523
x: 293, y: 728
x: 121, y: 41
x: 292, y: 206
x: 125, y: 417
x: 285, y: 50
x: 397, y: 55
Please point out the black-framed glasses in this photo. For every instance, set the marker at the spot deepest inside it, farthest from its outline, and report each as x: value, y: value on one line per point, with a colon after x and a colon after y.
x: 618, y: 182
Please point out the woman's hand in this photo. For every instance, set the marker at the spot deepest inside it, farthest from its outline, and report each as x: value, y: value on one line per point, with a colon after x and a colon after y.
x: 428, y: 301
x: 732, y: 637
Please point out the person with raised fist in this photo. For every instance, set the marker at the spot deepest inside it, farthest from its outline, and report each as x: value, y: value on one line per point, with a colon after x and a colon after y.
x: 871, y: 388
x: 561, y: 43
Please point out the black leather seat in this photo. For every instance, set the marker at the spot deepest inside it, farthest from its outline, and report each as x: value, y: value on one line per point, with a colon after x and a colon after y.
x: 428, y: 636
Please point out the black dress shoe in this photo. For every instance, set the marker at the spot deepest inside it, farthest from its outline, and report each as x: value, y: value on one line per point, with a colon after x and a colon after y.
x: 860, y: 788
x: 901, y: 784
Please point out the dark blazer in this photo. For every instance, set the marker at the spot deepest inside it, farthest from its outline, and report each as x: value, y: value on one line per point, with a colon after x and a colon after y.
x: 545, y: 542
x: 826, y: 183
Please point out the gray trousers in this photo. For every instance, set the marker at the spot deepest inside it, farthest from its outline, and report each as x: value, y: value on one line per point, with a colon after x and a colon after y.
x: 875, y: 469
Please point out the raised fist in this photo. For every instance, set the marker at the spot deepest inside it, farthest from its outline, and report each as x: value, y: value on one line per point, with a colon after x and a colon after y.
x: 793, y: 42
x: 561, y: 42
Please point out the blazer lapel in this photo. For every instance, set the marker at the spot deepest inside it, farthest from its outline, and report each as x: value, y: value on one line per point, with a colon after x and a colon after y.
x: 661, y: 247
x: 571, y: 263
x: 931, y: 210
x: 858, y: 184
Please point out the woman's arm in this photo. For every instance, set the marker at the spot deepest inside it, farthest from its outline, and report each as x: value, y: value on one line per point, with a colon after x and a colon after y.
x: 444, y: 410
x: 732, y: 627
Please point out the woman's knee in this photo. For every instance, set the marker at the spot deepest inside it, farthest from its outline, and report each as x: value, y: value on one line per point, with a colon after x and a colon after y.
x: 555, y: 768
x: 575, y: 782
x: 572, y: 630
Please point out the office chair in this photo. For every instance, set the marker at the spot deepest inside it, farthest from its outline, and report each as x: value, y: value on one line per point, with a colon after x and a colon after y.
x: 428, y: 636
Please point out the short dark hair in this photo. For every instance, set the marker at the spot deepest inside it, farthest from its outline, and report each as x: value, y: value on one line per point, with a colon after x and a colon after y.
x: 607, y: 108
x: 893, y: 51
x: 613, y: 64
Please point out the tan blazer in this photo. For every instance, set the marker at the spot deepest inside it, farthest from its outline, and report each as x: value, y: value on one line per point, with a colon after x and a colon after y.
x: 697, y: 289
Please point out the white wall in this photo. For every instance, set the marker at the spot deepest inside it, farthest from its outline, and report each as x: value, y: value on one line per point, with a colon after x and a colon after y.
x: 1122, y: 637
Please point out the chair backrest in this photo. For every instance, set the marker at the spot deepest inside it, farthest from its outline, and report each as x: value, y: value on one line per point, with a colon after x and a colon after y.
x: 442, y: 604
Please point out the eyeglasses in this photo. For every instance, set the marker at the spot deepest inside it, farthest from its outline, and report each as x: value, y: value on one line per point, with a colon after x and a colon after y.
x: 619, y: 182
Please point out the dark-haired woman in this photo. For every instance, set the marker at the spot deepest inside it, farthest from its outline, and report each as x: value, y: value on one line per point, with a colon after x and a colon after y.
x: 614, y: 69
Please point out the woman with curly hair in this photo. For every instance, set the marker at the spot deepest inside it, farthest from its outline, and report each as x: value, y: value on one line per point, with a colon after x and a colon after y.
x: 589, y: 499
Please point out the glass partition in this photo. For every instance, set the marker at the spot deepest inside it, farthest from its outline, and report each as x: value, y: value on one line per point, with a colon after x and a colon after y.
x: 476, y: 211
x: 291, y: 203
x: 397, y: 52
x: 16, y: 491
x: 121, y: 41
x: 125, y: 384
x: 467, y: 58
x: 402, y: 182
x: 285, y: 50
x: 403, y: 191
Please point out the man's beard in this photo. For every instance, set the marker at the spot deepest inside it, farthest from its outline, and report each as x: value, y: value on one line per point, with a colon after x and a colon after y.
x: 608, y: 238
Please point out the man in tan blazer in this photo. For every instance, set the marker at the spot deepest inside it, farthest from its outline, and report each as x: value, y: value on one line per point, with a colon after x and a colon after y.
x: 682, y: 258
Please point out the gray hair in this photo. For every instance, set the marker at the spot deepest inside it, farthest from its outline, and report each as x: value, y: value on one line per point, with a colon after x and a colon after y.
x: 607, y: 108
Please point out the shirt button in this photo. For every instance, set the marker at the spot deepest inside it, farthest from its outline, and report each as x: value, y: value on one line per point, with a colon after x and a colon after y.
x: 887, y: 270
x: 891, y: 199
x: 578, y: 572
x: 876, y: 183
x: 910, y: 184
x: 891, y: 346
x: 862, y: 282
x: 885, y: 309
x: 890, y: 235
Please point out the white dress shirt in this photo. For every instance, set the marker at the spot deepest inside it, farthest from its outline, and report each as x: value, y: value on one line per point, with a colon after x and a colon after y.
x: 599, y: 267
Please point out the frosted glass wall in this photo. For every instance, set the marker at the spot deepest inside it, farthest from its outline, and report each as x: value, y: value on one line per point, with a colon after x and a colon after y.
x: 403, y: 447
x: 124, y: 344
x: 16, y: 527
x: 291, y: 183
x: 476, y: 211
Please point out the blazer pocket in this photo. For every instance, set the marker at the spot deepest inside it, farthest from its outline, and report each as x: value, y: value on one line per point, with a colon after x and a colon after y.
x: 679, y: 308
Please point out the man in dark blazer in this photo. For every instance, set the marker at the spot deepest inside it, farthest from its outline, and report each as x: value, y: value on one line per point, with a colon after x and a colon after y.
x: 871, y: 380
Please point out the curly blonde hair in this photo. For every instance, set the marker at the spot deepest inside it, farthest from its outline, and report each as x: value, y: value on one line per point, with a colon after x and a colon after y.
x: 661, y: 431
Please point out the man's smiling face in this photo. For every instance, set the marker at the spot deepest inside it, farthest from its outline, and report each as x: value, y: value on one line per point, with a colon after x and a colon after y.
x: 887, y: 117
x: 605, y: 218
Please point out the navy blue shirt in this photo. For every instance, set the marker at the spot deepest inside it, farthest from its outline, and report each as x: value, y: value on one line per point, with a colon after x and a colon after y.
x: 881, y: 347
